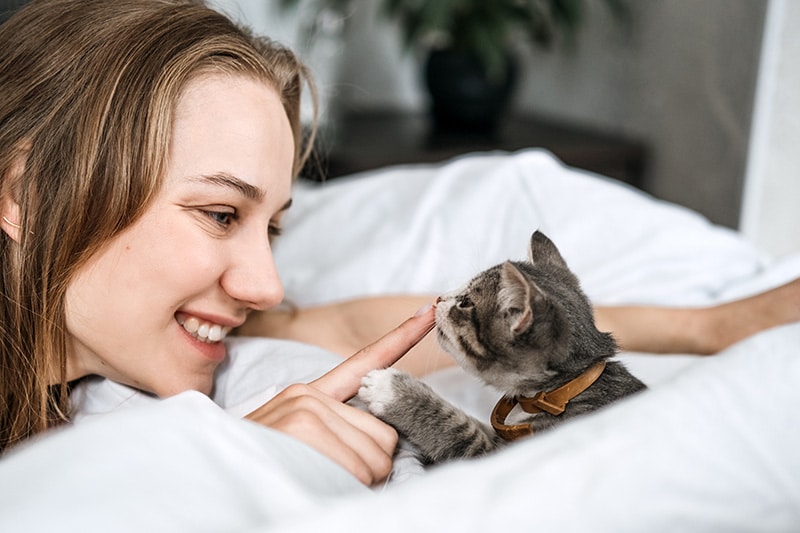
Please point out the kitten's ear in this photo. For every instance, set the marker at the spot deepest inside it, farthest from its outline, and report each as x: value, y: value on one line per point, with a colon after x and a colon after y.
x: 515, y: 297
x: 542, y: 250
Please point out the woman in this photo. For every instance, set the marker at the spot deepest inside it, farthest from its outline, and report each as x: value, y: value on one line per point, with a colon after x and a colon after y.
x: 147, y: 150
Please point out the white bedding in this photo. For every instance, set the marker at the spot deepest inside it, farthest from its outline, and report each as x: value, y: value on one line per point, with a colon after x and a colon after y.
x: 713, y: 446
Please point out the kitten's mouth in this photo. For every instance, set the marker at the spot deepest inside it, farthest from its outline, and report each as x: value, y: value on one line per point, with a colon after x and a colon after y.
x: 440, y: 322
x: 443, y: 339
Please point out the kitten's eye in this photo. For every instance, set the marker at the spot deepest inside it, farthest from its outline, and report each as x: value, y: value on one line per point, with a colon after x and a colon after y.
x: 464, y: 302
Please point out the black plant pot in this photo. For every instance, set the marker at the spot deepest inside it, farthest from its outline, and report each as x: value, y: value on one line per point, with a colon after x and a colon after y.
x: 463, y: 96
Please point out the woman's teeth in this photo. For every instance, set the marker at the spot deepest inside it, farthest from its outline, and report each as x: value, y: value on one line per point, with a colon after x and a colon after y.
x: 204, y: 331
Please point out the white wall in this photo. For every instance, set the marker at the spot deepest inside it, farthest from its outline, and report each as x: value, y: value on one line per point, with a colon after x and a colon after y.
x: 771, y: 207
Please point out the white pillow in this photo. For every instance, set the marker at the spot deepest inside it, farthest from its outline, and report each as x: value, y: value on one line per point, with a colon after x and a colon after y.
x: 426, y: 229
x: 180, y: 464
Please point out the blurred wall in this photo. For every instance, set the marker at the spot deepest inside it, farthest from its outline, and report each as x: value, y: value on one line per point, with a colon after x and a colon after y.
x: 7, y: 7
x: 681, y: 76
x: 682, y: 79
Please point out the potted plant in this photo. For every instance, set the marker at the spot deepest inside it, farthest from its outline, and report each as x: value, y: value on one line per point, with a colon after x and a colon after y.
x: 470, y: 66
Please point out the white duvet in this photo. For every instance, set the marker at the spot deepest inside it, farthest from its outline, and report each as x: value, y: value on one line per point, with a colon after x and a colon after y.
x: 714, y: 445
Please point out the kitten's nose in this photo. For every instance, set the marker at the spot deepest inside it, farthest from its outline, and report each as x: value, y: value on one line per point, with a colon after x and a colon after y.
x: 438, y: 299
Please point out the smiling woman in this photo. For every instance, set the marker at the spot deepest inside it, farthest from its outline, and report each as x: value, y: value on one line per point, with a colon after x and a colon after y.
x: 112, y: 202
x: 147, y: 151
x: 201, y: 247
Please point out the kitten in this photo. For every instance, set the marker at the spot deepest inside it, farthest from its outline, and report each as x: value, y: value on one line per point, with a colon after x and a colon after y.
x: 524, y: 328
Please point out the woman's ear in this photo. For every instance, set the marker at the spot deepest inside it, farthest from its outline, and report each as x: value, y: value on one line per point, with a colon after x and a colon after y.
x: 9, y: 221
x: 9, y: 208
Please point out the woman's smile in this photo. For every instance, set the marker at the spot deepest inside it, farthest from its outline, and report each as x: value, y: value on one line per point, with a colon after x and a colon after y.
x: 199, y: 258
x: 202, y: 330
x: 205, y: 336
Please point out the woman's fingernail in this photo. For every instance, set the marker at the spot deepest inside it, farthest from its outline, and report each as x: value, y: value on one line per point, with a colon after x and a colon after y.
x: 422, y: 310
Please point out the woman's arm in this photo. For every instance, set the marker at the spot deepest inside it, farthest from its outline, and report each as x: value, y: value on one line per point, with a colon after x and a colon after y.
x: 702, y: 330
x: 346, y: 327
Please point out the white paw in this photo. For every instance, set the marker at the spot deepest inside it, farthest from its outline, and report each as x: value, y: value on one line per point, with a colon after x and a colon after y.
x: 376, y: 389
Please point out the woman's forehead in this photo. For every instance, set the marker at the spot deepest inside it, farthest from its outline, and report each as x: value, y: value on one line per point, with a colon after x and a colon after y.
x: 232, y: 125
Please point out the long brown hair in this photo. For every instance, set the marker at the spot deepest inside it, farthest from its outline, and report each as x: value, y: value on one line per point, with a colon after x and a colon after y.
x: 88, y: 92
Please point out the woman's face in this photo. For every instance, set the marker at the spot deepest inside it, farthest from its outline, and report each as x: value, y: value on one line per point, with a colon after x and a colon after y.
x: 150, y: 309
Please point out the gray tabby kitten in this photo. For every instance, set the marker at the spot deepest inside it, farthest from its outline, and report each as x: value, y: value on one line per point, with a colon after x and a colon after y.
x: 522, y: 327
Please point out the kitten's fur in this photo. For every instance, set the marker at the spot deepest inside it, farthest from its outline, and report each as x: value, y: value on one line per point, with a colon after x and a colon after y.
x: 522, y: 327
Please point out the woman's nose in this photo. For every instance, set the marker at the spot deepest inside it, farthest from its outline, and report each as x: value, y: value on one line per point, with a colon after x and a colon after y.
x: 252, y: 278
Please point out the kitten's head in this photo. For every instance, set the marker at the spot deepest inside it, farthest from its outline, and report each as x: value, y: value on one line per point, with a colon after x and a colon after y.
x: 522, y: 326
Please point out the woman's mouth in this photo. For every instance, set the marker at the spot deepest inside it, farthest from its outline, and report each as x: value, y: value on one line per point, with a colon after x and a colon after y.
x: 202, y: 330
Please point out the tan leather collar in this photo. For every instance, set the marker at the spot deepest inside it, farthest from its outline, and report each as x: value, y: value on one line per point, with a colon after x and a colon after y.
x: 553, y: 402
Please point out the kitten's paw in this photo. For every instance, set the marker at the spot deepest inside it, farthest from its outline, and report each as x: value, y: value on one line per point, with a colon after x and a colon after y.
x: 377, y: 391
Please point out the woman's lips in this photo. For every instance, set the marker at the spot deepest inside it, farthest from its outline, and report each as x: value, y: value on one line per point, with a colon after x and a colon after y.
x: 203, y: 330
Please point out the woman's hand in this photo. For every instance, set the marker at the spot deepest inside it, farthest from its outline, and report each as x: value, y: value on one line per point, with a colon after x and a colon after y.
x: 315, y: 413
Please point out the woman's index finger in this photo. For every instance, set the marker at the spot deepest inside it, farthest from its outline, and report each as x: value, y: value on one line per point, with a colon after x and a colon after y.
x: 343, y: 381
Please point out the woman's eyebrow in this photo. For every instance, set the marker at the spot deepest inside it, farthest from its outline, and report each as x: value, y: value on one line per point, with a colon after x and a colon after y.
x: 227, y: 180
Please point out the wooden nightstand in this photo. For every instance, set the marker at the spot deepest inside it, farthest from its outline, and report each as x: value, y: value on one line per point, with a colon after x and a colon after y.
x: 366, y: 141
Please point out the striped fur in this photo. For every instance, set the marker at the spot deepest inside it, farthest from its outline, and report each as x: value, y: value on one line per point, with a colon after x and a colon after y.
x: 522, y: 327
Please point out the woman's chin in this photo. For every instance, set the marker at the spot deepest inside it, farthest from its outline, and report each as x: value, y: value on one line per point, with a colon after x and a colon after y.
x: 199, y: 382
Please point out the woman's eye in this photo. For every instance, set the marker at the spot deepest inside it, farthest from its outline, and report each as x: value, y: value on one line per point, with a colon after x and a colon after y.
x: 274, y: 231
x: 223, y: 218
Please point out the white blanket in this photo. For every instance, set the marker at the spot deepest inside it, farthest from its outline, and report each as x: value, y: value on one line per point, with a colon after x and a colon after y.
x: 714, y: 445
x: 715, y: 449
